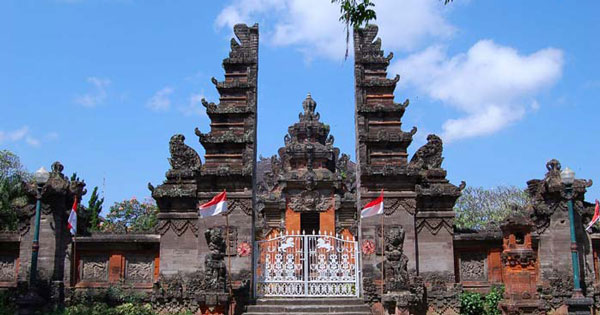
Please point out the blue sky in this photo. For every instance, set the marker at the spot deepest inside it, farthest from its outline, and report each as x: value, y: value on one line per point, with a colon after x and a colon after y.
x: 101, y: 85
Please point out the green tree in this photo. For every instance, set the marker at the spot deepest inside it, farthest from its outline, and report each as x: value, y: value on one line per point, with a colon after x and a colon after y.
x: 479, y: 208
x: 12, y: 174
x: 131, y: 216
x: 356, y: 13
x: 93, y: 209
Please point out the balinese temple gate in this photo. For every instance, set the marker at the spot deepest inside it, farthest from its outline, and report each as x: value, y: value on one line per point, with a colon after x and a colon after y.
x: 294, y: 242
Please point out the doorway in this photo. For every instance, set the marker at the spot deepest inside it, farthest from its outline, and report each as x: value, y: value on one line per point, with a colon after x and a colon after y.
x: 310, y: 221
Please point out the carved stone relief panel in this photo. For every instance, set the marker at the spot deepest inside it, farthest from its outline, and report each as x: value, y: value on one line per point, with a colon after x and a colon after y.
x: 310, y: 200
x: 473, y: 266
x: 94, y: 268
x: 7, y: 268
x: 139, y: 268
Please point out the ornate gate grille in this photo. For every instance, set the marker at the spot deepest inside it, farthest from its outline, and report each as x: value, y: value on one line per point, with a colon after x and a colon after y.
x: 317, y: 265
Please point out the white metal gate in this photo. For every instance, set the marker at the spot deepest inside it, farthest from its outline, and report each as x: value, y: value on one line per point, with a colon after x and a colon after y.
x: 313, y: 265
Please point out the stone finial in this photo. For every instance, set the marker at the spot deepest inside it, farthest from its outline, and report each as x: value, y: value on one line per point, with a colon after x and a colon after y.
x: 309, y: 105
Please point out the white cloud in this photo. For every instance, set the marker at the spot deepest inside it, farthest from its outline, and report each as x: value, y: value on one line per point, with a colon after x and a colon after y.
x: 97, y: 96
x: 21, y: 134
x: 194, y: 106
x: 313, y: 26
x: 160, y: 101
x: 491, y: 84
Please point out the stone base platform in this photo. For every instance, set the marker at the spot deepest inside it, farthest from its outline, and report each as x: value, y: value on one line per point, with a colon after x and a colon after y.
x: 342, y: 306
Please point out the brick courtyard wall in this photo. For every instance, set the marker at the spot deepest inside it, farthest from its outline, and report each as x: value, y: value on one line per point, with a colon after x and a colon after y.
x: 109, y: 259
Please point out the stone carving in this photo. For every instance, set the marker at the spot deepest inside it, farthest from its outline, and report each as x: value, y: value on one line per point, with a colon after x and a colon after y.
x: 443, y: 294
x: 434, y: 225
x: 214, y: 266
x: 185, y: 292
x: 473, y: 266
x: 548, y: 196
x: 347, y: 171
x: 270, y: 178
x: 178, y: 226
x: 402, y: 204
x: 557, y: 289
x: 396, y: 262
x: 310, y: 200
x: 7, y: 269
x: 243, y: 205
x: 183, y: 157
x: 309, y: 105
x: 94, y: 268
x: 429, y: 156
x: 139, y: 268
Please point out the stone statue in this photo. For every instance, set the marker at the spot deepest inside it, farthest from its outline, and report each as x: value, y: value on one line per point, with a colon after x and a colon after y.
x: 214, y: 266
x: 428, y: 156
x: 182, y: 156
x: 396, y: 262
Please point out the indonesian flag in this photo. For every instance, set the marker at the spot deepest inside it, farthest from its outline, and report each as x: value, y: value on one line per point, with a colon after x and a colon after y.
x: 72, y: 222
x: 216, y: 206
x: 595, y: 218
x: 372, y: 208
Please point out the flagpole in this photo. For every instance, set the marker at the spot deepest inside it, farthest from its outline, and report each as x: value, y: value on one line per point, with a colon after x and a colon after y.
x: 75, y: 245
x: 228, y: 260
x: 74, y: 259
x: 382, y: 255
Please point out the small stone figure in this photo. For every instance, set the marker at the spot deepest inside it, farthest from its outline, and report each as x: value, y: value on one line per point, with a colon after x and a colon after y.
x: 214, y: 266
x: 396, y: 262
x: 429, y: 156
x: 182, y: 155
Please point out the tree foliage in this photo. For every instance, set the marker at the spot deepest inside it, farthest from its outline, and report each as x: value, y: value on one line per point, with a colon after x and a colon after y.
x: 479, y: 208
x: 131, y: 216
x: 356, y: 13
x: 93, y: 210
x: 12, y: 174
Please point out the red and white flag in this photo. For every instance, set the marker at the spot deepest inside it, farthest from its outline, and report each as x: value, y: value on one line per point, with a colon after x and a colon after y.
x: 216, y: 206
x: 595, y: 218
x: 72, y: 222
x: 372, y: 208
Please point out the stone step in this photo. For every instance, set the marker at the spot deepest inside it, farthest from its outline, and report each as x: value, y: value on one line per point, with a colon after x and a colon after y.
x: 337, y: 313
x: 295, y: 308
x: 310, y: 301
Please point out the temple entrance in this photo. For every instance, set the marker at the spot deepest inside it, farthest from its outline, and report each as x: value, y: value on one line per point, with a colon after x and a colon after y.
x: 307, y: 265
x: 310, y: 222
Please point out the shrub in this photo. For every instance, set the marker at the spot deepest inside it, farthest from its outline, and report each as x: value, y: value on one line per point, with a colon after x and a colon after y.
x: 491, y: 300
x: 473, y: 303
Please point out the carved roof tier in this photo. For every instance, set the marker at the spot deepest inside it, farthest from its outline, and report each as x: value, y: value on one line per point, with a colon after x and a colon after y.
x: 225, y: 137
x: 380, y: 81
x: 226, y: 86
x: 386, y: 108
x: 389, y: 136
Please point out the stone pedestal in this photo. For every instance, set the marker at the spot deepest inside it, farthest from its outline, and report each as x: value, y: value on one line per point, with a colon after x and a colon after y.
x: 580, y: 306
x: 400, y: 303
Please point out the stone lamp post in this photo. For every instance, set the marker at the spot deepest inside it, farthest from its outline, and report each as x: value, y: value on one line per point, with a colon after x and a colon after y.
x: 578, y: 304
x: 40, y: 177
x: 32, y: 300
x: 567, y: 177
